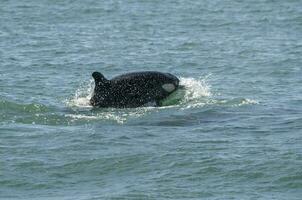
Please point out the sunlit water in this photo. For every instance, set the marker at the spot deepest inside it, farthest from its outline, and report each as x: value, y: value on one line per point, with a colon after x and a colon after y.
x: 233, y: 132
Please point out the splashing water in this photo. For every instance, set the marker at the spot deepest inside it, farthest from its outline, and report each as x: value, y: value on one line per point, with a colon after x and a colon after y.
x: 195, y: 88
x: 82, y: 96
x: 191, y: 92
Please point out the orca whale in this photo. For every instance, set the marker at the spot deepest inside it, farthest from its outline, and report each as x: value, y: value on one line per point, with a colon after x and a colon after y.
x: 134, y: 89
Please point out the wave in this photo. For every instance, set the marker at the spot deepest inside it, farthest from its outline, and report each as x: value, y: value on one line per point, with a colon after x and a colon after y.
x: 23, y: 108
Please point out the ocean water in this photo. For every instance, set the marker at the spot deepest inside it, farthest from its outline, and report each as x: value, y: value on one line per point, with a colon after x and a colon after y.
x: 235, y: 132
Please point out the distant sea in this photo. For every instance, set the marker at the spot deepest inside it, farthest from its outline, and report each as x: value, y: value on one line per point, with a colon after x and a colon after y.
x: 234, y: 133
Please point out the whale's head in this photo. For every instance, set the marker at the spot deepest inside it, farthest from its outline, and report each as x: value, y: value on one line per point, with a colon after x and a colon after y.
x: 169, y: 83
x: 101, y: 90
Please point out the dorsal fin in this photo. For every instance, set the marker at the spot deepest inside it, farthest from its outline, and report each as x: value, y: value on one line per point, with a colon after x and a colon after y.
x: 99, y: 78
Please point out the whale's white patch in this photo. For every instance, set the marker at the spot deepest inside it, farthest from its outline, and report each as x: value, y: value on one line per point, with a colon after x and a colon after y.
x: 169, y: 87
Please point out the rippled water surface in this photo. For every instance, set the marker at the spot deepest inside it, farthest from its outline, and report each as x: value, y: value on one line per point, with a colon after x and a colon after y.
x: 235, y: 132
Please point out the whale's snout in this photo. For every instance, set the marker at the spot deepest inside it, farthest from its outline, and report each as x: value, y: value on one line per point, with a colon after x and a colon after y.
x: 173, y: 79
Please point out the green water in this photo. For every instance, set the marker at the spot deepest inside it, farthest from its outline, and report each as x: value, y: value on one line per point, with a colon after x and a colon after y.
x: 235, y: 132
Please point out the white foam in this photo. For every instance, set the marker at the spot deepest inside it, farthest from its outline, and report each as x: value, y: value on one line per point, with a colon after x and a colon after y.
x: 247, y: 102
x: 82, y: 96
x: 105, y: 115
x: 195, y: 88
x: 197, y: 92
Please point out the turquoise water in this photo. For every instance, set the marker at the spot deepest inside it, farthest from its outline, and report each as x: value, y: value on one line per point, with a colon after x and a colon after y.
x: 234, y: 133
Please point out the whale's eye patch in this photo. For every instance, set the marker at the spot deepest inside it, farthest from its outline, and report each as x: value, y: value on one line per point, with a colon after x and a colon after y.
x: 169, y: 87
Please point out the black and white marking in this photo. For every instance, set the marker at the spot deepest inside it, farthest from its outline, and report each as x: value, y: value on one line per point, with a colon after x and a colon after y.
x: 133, y: 89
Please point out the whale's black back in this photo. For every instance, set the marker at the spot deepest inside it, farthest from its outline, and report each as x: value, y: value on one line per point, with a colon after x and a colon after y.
x: 135, y: 89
